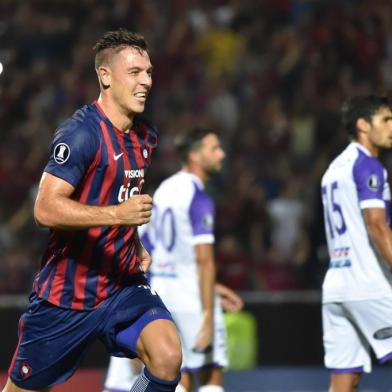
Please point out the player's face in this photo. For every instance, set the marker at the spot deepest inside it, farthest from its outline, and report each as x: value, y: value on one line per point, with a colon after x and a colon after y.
x: 211, y: 154
x: 130, y: 80
x: 380, y: 133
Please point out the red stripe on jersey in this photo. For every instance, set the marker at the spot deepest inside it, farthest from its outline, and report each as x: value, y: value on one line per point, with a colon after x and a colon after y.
x: 89, y: 177
x: 83, y: 267
x: 20, y: 334
x: 53, y: 258
x: 108, y: 255
x: 111, y: 169
x: 137, y: 149
x: 57, y: 285
x: 43, y: 287
x: 108, y: 248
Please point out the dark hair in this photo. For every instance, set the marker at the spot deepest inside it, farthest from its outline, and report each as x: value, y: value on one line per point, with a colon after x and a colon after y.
x: 361, y: 107
x: 190, y: 141
x: 115, y: 41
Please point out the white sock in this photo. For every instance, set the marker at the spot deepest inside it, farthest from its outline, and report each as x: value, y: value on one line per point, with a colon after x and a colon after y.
x: 180, y: 388
x: 211, y: 388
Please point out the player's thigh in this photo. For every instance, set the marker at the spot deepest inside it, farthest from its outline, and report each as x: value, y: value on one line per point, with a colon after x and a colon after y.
x: 140, y: 324
x: 52, y: 342
x: 374, y: 318
x: 346, y: 349
x: 341, y: 382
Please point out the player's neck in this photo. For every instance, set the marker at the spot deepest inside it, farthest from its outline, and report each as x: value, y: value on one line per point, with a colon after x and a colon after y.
x: 196, y: 172
x: 374, y: 150
x: 120, y: 120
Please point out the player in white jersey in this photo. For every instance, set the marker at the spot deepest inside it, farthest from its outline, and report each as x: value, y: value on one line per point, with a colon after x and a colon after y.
x: 357, y: 289
x: 180, y: 239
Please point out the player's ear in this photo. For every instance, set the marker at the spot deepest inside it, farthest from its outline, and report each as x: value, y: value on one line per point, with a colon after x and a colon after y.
x: 363, y: 125
x: 104, y: 76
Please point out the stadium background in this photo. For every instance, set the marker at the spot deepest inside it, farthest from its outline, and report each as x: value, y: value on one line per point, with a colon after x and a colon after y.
x: 270, y: 76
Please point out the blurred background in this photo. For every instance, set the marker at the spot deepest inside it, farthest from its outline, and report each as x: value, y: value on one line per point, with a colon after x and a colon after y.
x: 270, y: 77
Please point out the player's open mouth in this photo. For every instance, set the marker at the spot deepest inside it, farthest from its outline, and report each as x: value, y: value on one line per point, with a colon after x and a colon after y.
x: 141, y: 96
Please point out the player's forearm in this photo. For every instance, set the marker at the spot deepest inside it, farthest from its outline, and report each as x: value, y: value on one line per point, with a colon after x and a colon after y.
x: 207, y: 274
x: 65, y: 213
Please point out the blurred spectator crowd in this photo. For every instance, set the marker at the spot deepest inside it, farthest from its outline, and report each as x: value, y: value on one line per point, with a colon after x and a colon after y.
x: 268, y: 75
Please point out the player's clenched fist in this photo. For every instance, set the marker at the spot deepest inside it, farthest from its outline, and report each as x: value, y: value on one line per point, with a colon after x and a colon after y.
x: 135, y: 211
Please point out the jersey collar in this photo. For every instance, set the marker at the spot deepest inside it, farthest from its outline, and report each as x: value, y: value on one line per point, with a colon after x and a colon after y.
x: 195, y: 178
x: 362, y: 148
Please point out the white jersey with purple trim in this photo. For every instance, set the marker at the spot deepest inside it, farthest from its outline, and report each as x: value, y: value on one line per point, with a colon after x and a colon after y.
x: 183, y: 216
x: 354, y: 181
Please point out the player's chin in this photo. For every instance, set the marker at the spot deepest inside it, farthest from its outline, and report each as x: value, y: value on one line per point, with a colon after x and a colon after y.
x: 138, y: 107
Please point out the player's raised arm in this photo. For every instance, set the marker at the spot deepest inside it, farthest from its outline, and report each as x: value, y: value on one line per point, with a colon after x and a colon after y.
x: 55, y: 208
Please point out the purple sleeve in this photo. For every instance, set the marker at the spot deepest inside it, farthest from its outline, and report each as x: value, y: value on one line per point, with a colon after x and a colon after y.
x: 369, y: 178
x: 202, y: 213
x: 73, y: 150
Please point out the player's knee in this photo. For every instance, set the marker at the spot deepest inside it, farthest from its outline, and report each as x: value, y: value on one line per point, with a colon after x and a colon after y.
x: 167, y: 362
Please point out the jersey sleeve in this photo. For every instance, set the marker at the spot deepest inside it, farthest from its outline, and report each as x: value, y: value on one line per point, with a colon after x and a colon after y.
x: 73, y: 150
x: 202, y: 216
x: 369, y: 178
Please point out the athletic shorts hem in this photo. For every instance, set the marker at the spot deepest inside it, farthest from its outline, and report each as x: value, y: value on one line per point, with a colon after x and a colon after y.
x: 358, y: 369
x: 385, y: 358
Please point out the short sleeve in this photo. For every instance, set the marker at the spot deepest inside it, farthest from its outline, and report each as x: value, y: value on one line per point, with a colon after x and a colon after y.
x: 369, y: 178
x: 202, y: 216
x: 73, y: 150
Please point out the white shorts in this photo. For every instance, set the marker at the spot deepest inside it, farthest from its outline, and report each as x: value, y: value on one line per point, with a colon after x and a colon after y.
x: 188, y: 324
x: 351, y: 328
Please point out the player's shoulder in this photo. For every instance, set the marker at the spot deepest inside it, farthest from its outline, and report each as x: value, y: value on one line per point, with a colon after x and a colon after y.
x: 354, y: 156
x: 82, y: 124
x: 182, y: 186
x: 367, y: 162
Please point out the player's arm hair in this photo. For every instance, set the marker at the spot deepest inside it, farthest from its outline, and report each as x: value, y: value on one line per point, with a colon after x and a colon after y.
x: 55, y: 208
x: 379, y: 231
x: 207, y: 275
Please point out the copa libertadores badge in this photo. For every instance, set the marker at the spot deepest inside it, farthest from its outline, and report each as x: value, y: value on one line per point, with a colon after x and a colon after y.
x: 373, y: 182
x: 61, y: 153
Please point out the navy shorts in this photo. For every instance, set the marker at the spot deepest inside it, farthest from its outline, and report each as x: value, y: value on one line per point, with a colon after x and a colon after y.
x: 54, y: 340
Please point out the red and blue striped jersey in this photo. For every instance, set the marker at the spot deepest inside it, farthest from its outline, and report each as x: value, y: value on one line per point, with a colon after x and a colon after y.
x: 81, y: 268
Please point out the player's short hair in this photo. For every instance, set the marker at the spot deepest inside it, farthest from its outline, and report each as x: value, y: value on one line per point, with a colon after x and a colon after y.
x: 186, y: 142
x: 114, y: 42
x: 361, y: 107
